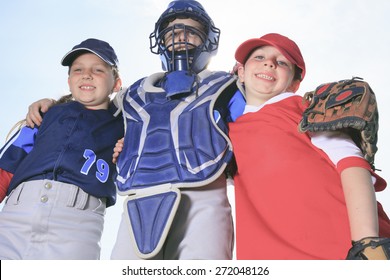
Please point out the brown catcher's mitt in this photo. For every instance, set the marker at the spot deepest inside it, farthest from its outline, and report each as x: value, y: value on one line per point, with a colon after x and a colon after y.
x: 348, y: 105
x: 370, y: 248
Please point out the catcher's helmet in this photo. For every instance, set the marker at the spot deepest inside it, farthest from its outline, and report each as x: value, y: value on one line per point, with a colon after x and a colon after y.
x: 194, y: 58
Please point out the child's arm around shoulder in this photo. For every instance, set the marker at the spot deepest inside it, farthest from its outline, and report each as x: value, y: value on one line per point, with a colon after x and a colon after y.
x: 34, y: 116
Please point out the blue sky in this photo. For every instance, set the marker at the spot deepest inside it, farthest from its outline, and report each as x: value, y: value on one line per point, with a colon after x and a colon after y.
x: 338, y: 39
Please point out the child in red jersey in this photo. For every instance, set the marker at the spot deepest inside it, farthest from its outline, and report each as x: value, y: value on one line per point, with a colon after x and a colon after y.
x: 298, y: 195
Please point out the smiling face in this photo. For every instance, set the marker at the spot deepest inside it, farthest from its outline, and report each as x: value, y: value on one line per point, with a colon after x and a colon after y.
x: 267, y: 73
x: 91, y: 81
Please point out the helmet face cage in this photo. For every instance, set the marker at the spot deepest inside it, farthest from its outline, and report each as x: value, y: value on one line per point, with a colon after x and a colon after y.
x: 194, y: 58
x: 179, y: 54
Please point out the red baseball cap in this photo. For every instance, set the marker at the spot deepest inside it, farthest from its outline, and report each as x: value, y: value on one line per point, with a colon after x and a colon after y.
x: 285, y: 45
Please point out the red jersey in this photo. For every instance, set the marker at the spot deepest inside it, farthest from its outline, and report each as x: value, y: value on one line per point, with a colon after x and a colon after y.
x: 289, y: 198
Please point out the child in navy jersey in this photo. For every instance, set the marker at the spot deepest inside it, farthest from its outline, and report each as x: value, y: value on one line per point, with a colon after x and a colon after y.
x: 58, y: 177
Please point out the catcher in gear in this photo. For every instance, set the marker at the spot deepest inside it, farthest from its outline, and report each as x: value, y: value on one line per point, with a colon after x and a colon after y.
x: 176, y: 147
x: 298, y: 195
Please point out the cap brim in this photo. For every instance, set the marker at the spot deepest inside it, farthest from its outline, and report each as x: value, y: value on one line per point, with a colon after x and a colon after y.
x: 68, y: 59
x: 246, y: 48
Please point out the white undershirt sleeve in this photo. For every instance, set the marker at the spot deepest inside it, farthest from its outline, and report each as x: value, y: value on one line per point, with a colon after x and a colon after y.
x: 336, y: 144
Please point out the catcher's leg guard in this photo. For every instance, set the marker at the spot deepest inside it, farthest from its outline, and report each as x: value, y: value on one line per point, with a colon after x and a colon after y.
x: 150, y: 216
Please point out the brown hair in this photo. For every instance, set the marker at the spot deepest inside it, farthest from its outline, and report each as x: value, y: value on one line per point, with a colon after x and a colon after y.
x: 297, y: 73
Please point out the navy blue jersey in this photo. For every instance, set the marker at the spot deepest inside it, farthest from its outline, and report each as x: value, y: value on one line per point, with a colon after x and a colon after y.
x: 73, y: 145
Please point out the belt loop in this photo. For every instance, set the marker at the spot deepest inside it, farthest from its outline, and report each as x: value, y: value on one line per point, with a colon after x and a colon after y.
x: 72, y: 196
x: 82, y: 200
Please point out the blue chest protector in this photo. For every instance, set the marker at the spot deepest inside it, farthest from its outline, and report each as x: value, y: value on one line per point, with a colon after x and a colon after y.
x: 170, y: 143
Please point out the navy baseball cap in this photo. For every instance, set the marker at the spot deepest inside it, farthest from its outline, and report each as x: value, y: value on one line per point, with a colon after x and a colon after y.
x: 101, y: 48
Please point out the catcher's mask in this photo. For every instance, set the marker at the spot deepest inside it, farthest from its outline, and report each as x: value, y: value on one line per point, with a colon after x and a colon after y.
x: 190, y: 57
